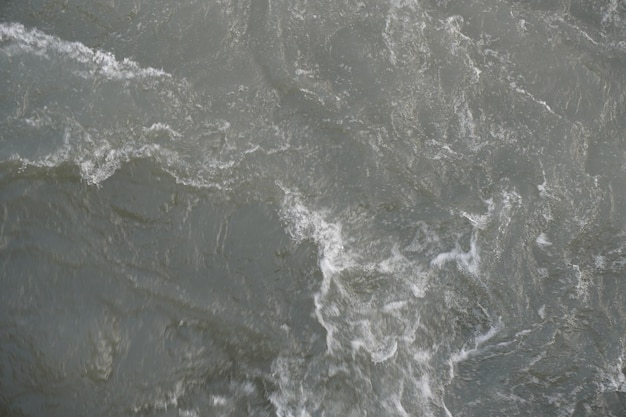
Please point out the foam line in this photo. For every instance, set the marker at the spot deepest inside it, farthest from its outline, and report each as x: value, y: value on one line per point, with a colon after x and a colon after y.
x: 16, y: 39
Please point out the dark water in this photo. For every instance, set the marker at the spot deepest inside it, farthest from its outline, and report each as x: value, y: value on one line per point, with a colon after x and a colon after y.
x: 312, y: 208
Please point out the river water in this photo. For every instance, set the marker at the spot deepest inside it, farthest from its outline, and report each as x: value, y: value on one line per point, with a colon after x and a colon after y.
x: 312, y: 208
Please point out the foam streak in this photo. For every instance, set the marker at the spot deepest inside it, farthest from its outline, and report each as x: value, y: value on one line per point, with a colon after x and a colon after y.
x: 16, y: 39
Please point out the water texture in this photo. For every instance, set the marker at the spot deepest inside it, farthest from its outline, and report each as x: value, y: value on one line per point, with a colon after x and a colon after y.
x: 312, y: 208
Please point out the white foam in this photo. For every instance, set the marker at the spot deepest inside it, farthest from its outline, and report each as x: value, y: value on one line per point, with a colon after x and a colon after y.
x: 510, y: 199
x: 582, y: 285
x: 524, y: 92
x: 360, y: 321
x: 106, y: 160
x: 542, y: 241
x: 333, y: 258
x: 355, y: 321
x: 543, y: 187
x: 162, y: 127
x: 422, y: 356
x: 468, y: 261
x: 218, y: 400
x: 453, y: 25
x: 96, y: 158
x: 612, y: 14
x: 164, y: 399
x: 465, y: 353
x: 615, y: 377
x: 424, y: 386
x: 384, y: 352
x: 542, y: 312
x: 480, y: 221
x: 92, y: 62
x: 289, y: 399
x: 466, y: 121
x: 394, y: 305
x: 95, y: 151
x: 493, y: 330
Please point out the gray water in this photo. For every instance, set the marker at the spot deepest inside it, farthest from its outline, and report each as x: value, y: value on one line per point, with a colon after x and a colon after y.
x: 312, y: 208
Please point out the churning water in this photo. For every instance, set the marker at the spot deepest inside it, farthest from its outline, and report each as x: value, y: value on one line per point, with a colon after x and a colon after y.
x: 312, y: 208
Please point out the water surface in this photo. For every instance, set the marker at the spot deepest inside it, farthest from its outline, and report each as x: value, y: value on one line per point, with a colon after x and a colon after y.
x: 272, y: 208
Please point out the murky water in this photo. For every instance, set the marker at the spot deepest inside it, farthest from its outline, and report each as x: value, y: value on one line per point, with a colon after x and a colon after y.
x: 267, y: 208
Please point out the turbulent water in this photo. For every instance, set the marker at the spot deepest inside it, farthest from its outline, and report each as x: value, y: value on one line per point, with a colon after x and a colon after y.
x: 313, y: 208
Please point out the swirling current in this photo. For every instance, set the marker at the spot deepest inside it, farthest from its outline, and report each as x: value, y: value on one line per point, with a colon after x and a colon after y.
x: 313, y: 208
